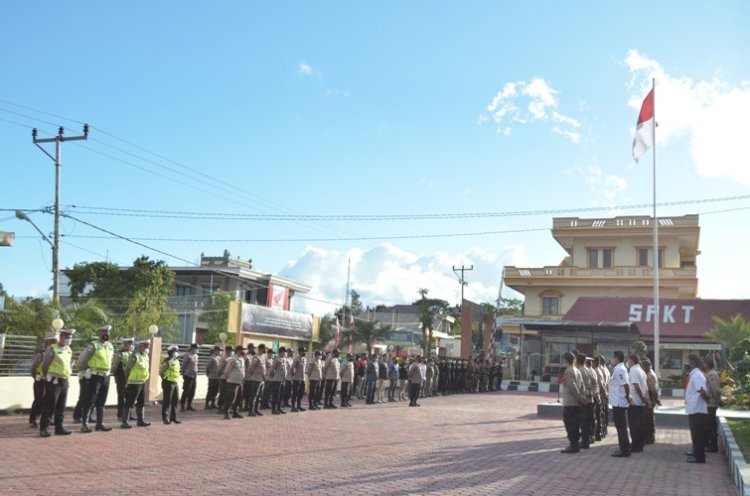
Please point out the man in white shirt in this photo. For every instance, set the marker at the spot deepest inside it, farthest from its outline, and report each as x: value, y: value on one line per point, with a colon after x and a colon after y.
x: 619, y: 398
x: 639, y: 400
x: 696, y: 409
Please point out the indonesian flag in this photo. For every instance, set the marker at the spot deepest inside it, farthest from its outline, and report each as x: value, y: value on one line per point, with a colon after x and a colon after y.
x: 351, y: 332
x: 338, y: 332
x: 644, y: 130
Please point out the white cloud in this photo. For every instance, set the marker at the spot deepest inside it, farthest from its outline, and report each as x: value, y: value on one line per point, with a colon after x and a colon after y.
x: 710, y: 113
x: 524, y: 102
x: 608, y: 188
x: 390, y: 275
x: 306, y: 69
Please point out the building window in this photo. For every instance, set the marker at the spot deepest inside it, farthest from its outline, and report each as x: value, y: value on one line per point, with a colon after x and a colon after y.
x: 184, y: 291
x: 556, y: 351
x: 208, y: 290
x: 644, y: 259
x: 549, y: 305
x: 606, y: 258
x: 593, y: 259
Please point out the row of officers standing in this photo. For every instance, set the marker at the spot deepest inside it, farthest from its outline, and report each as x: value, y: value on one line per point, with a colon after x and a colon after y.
x: 632, y: 390
x: 239, y: 378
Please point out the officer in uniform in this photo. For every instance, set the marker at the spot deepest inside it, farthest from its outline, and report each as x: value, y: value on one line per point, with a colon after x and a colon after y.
x: 256, y: 370
x: 118, y: 370
x: 170, y: 374
x: 331, y: 375
x: 347, y: 378
x: 212, y: 372
x: 56, y: 370
x: 265, y: 403
x: 246, y: 402
x: 222, y: 382
x: 189, y: 371
x: 299, y: 364
x: 428, y: 380
x: 234, y: 374
x: 278, y: 376
x: 39, y: 380
x: 97, y: 357
x: 313, y: 372
x: 137, y: 372
x: 288, y: 377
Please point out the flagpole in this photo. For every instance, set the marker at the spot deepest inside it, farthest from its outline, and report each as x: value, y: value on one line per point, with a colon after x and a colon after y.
x: 656, y: 241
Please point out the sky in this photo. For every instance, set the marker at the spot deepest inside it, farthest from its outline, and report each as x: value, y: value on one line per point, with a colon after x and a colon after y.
x: 398, y: 136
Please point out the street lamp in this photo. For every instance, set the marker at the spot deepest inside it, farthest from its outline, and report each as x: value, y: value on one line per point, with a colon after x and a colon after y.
x: 153, y: 329
x: 21, y: 215
x: 57, y: 324
x: 223, y: 338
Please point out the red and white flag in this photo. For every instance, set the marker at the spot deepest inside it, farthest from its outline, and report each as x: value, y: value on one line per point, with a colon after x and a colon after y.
x: 644, y: 130
x: 351, y: 332
x: 338, y: 332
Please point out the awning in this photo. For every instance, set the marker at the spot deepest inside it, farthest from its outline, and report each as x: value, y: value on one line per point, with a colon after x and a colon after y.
x: 570, y: 325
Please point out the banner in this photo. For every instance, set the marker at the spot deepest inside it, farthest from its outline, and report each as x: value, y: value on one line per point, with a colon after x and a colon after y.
x: 278, y: 297
x: 269, y: 321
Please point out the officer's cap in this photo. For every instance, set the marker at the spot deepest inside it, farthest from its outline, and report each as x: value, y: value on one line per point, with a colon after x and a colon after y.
x: 51, y: 336
x: 173, y: 347
x: 68, y: 331
x: 261, y: 346
x: 193, y: 346
x: 104, y: 328
x: 302, y: 349
x: 145, y: 341
x: 282, y: 349
x: 318, y: 353
x: 128, y: 340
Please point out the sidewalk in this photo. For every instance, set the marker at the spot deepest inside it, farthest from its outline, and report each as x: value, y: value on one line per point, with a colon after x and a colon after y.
x: 479, y: 444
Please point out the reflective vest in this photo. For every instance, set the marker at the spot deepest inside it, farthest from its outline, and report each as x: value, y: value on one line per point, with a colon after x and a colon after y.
x: 139, y: 370
x: 60, y: 364
x: 102, y: 357
x: 124, y: 357
x: 172, y: 373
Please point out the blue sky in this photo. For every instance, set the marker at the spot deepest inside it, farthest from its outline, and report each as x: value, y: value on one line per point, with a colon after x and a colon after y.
x: 379, y: 109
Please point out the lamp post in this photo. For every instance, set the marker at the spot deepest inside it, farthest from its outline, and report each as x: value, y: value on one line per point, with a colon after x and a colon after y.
x: 58, y: 324
x: 223, y: 339
x: 21, y: 215
x: 152, y: 390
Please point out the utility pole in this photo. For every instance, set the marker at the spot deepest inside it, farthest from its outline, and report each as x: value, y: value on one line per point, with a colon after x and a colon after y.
x: 461, y: 279
x: 58, y: 141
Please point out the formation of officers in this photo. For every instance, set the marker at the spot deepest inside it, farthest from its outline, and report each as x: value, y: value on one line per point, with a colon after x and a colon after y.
x: 631, y: 388
x: 239, y: 380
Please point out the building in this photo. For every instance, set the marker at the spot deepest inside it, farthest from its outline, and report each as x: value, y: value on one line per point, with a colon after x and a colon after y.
x: 611, y: 258
x: 406, y: 330
x: 195, y: 285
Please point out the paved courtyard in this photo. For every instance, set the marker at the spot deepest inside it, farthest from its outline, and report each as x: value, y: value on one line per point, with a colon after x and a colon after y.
x: 487, y: 444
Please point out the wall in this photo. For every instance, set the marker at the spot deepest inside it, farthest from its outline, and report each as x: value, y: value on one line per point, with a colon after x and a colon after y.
x: 17, y: 392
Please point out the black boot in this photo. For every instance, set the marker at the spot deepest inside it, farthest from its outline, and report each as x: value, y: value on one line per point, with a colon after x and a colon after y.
x: 141, y: 421
x: 124, y: 422
x: 226, y: 415
x: 100, y: 420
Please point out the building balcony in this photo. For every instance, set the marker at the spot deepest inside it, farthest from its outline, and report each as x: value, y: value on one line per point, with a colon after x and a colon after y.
x: 191, y: 302
x: 555, y: 272
x: 624, y: 222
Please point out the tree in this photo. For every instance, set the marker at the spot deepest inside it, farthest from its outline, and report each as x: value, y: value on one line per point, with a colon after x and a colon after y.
x: 137, y: 296
x: 27, y: 316
x: 729, y: 333
x: 327, y: 331
x: 216, y: 315
x: 85, y: 317
x: 509, y: 306
x: 369, y: 332
x: 430, y: 310
x: 640, y: 349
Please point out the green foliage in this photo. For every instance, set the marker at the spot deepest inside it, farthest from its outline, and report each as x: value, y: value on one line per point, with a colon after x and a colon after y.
x: 739, y: 351
x: 370, y: 332
x: 741, y: 430
x: 216, y: 315
x: 509, y: 306
x: 137, y: 296
x: 640, y: 349
x: 27, y: 316
x: 85, y: 317
x: 731, y: 332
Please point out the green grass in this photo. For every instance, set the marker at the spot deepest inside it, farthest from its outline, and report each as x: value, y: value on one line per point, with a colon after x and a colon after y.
x: 741, y: 431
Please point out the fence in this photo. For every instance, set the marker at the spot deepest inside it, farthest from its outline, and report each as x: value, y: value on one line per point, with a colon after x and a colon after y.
x: 17, y: 353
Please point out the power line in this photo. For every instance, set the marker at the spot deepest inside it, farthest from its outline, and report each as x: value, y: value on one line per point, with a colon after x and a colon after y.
x: 129, y: 212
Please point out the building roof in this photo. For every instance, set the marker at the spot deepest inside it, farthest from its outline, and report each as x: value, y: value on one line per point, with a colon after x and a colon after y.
x: 571, y: 325
x: 681, y: 320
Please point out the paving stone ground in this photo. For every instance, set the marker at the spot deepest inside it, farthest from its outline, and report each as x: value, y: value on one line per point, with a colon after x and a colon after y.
x: 480, y: 444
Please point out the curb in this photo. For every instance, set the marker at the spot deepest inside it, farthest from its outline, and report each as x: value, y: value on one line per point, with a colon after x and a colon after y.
x: 739, y: 470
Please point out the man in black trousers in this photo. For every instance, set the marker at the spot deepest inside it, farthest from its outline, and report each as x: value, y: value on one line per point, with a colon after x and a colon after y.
x: 619, y: 399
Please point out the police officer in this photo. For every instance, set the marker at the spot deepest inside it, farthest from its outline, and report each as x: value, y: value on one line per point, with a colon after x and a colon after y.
x: 299, y: 364
x: 170, y: 374
x: 56, y: 370
x: 313, y: 372
x: 119, y: 362
x: 228, y: 353
x: 212, y: 372
x: 137, y: 372
x: 347, y: 377
x: 257, y: 373
x: 39, y: 379
x: 331, y: 375
x: 97, y: 357
x: 265, y: 402
x: 234, y: 374
x: 277, y: 377
x: 189, y: 371
x: 288, y: 377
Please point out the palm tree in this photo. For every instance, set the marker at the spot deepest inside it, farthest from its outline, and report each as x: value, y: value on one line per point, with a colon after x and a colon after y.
x: 369, y: 332
x: 731, y: 332
x: 85, y: 317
